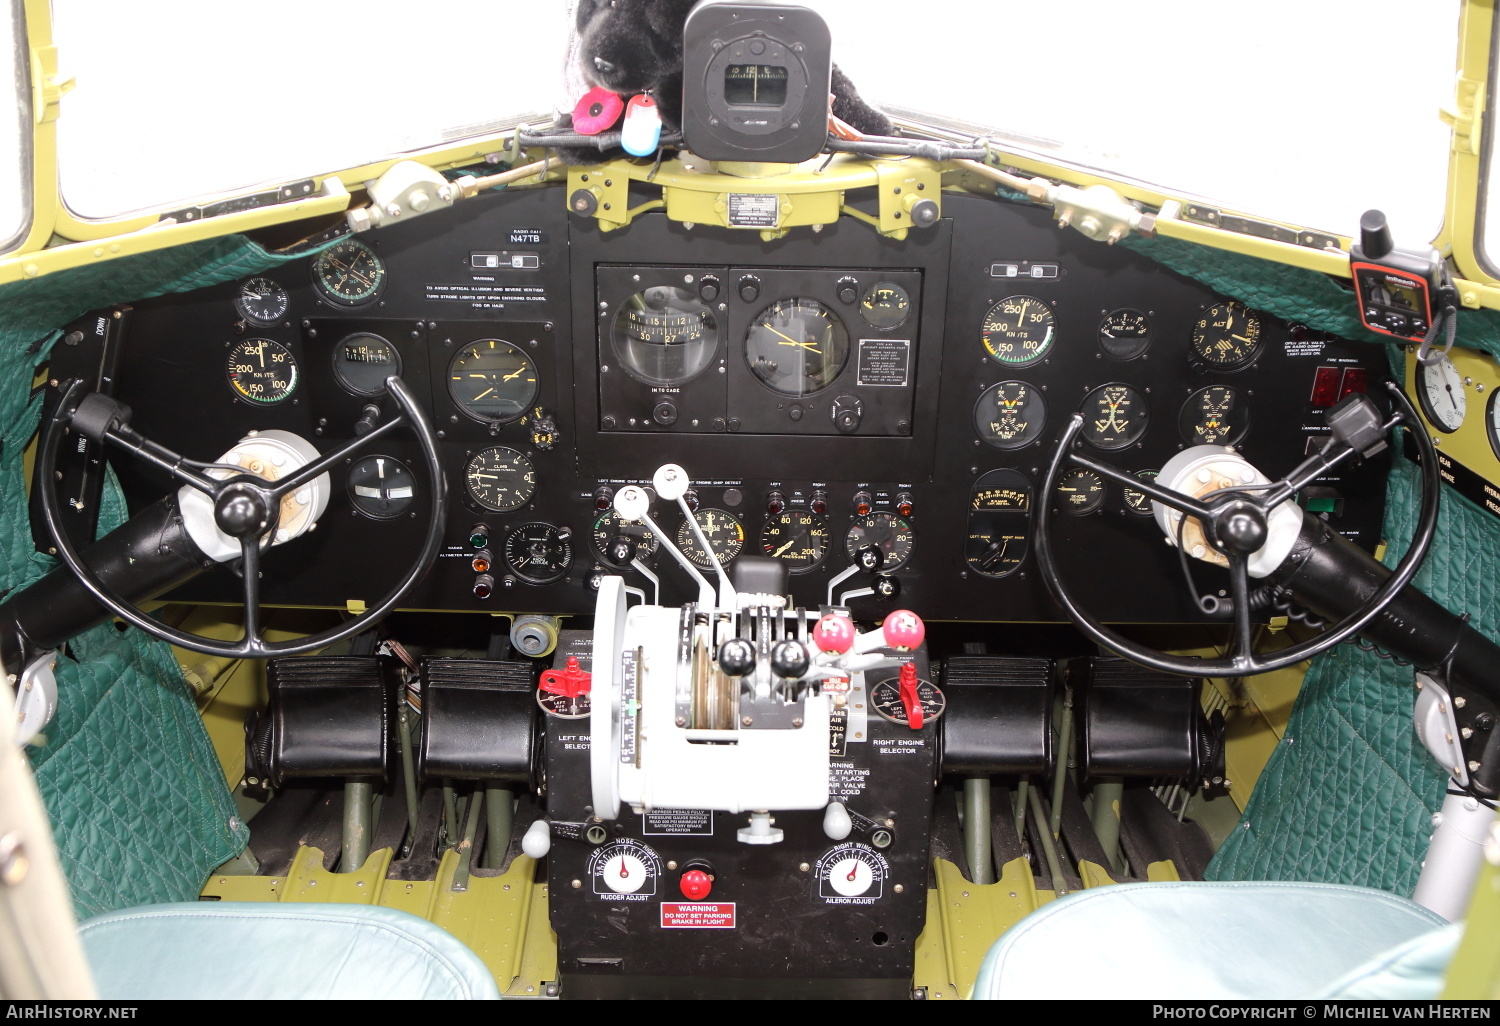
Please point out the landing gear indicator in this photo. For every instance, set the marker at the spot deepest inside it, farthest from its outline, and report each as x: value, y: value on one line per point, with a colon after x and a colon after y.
x: 625, y: 871
x: 852, y: 874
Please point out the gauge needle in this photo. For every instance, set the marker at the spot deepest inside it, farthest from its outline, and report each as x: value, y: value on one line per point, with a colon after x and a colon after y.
x: 783, y: 550
x: 1241, y: 338
x: 809, y: 346
x: 511, y: 377
x: 1450, y: 396
x: 481, y: 395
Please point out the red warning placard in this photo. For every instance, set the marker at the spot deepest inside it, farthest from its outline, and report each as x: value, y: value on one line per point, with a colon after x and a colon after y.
x: 697, y: 915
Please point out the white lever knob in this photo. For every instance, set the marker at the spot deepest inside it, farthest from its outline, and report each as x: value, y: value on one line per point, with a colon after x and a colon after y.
x: 836, y: 821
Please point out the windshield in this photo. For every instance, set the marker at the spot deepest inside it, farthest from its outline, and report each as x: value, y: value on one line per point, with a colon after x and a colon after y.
x: 1251, y: 107
x: 15, y: 130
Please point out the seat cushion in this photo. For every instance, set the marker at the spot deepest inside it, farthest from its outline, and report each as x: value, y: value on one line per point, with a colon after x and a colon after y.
x: 1412, y: 971
x: 1198, y: 941
x: 257, y: 951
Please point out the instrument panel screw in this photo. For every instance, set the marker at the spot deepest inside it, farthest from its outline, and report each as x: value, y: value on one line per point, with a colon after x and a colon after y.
x: 682, y: 721
x: 804, y: 867
x: 746, y: 721
x: 577, y: 884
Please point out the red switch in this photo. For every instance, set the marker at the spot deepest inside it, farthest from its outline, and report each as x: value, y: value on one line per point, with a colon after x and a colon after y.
x: 569, y: 682
x: 909, y: 696
x: 696, y: 884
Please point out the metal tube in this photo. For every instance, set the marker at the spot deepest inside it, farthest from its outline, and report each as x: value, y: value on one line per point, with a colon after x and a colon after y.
x: 356, y: 849
x: 450, y: 816
x: 1022, y: 787
x: 1049, y: 850
x: 1064, y: 757
x: 497, y: 808
x: 1455, y: 854
x: 977, y: 829
x: 408, y: 775
x: 1107, y: 794
x: 466, y: 846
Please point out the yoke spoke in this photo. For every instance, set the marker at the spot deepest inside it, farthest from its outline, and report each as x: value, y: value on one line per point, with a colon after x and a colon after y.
x: 1178, y: 501
x: 325, y: 463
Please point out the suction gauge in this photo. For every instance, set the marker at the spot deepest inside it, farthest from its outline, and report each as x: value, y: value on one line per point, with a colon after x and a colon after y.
x: 1019, y: 330
x: 885, y: 305
x: 349, y: 273
x: 262, y: 372
x: 262, y: 301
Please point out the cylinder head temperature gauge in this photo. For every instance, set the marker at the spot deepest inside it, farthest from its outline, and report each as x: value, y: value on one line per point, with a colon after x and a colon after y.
x: 626, y: 869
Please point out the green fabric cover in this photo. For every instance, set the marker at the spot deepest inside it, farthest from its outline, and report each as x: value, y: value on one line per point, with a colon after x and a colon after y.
x: 137, y: 798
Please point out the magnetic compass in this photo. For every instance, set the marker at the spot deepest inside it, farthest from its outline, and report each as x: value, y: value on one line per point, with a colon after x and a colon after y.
x: 625, y: 868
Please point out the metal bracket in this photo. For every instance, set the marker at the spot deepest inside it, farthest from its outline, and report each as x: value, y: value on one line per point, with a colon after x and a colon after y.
x: 1465, y: 114
x: 1437, y: 728
x: 36, y: 697
x: 47, y: 87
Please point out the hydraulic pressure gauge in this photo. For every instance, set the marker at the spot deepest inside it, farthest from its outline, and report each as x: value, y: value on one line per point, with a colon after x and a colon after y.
x: 624, y: 867
x: 1216, y: 415
x: 796, y: 537
x: 500, y: 480
x: 797, y: 347
x: 539, y: 553
x: 1019, y: 330
x: 1080, y: 491
x: 1228, y: 336
x: 1440, y: 389
x: 885, y: 305
x: 492, y: 381
x: 262, y: 372
x: 363, y: 361
x: 1125, y: 334
x: 723, y: 532
x: 381, y: 487
x: 349, y: 273
x: 889, y: 533
x: 665, y: 336
x: 1010, y: 415
x: 262, y: 301
x: 610, y: 526
x: 999, y: 522
x: 1114, y: 416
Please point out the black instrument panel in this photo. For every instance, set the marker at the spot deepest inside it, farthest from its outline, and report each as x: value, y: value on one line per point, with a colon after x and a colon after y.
x: 830, y: 392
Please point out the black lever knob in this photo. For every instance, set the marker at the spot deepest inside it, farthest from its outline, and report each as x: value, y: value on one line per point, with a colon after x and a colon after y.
x: 369, y: 419
x: 887, y: 588
x: 869, y: 559
x: 622, y: 550
x: 790, y: 660
x: 737, y: 657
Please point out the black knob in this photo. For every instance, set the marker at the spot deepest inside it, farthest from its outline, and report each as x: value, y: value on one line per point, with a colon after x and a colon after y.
x: 708, y: 289
x: 869, y: 559
x: 887, y: 588
x: 749, y: 289
x: 848, y: 291
x: 736, y: 657
x: 665, y: 414
x: 1375, y: 235
x: 622, y: 549
x: 924, y: 213
x: 790, y: 660
x: 583, y: 203
x: 691, y: 498
x: 369, y: 420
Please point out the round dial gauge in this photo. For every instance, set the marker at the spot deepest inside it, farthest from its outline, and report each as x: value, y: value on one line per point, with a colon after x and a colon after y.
x: 610, y: 526
x: 885, y: 305
x: 624, y: 867
x: 1136, y: 502
x: 1228, y: 336
x: 492, y: 381
x: 999, y: 522
x: 723, y: 532
x: 1216, y: 415
x: 362, y: 362
x: 262, y: 301
x: 665, y: 336
x: 1492, y: 423
x: 1114, y: 416
x: 381, y: 487
x: 885, y: 697
x: 852, y: 871
x: 1019, y: 330
x: 1080, y: 491
x: 1010, y: 415
x: 539, y: 553
x: 1125, y: 334
x: 349, y: 273
x: 797, y: 538
x: 797, y: 347
x: 499, y: 479
x: 262, y: 372
x: 1440, y: 388
x: 887, y: 532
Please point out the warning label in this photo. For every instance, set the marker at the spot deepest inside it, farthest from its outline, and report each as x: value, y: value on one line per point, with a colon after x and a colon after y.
x: 481, y: 295
x: 697, y: 915
x: 885, y: 361
x: 753, y: 210
x: 846, y: 780
x: 838, y: 733
x: 682, y: 822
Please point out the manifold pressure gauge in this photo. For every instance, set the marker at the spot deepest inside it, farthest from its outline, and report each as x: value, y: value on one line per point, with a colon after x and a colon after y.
x: 609, y: 526
x: 262, y: 372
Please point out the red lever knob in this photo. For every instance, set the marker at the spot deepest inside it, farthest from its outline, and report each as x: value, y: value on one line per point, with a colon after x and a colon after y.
x: 696, y: 884
x: 909, y: 696
x: 834, y: 633
x: 570, y: 681
x: 904, y: 630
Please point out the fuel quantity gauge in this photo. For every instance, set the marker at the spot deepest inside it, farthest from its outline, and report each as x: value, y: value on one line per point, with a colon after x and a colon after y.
x: 999, y: 524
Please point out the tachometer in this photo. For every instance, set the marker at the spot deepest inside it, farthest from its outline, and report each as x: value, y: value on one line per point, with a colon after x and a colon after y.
x: 610, y: 526
x: 665, y: 336
x: 349, y: 273
x: 797, y: 347
x: 1440, y: 389
x: 492, y: 381
x: 1019, y: 330
x: 262, y: 372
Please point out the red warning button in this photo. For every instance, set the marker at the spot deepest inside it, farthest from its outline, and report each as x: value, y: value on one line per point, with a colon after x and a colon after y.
x: 697, y: 915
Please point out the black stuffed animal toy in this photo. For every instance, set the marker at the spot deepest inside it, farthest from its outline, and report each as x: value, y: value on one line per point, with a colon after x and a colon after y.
x: 635, y: 46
